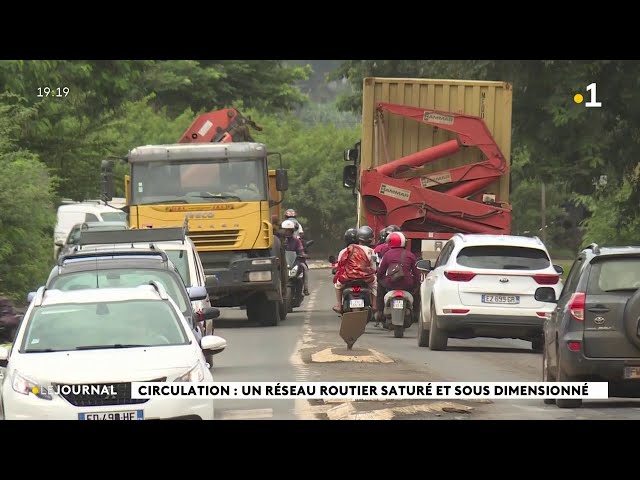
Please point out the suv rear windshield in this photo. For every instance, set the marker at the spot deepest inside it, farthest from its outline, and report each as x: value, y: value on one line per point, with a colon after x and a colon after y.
x: 614, y: 275
x: 504, y: 258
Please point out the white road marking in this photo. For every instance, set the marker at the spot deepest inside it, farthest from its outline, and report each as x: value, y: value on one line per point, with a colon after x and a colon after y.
x: 246, y: 414
x: 302, y: 407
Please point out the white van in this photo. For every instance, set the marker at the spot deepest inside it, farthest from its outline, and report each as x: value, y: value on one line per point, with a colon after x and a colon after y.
x: 74, y: 213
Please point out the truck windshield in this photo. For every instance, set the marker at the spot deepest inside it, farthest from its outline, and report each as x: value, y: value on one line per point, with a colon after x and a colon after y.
x: 199, y: 181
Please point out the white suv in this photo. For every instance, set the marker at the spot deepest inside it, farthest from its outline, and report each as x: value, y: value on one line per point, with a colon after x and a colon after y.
x: 484, y: 286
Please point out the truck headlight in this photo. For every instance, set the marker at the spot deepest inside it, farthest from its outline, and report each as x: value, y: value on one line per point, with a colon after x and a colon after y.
x: 196, y: 374
x: 294, y: 271
x: 260, y: 276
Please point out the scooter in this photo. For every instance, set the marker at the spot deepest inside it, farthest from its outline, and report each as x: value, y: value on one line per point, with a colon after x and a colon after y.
x: 398, y: 311
x: 295, y: 283
x: 357, y: 310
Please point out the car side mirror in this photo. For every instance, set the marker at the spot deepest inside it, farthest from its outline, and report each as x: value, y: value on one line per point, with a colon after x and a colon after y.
x: 4, y: 357
x: 546, y: 295
x: 209, y: 313
x: 559, y: 270
x: 332, y: 259
x: 213, y: 344
x: 59, y: 243
x: 211, y: 281
x: 424, y: 265
x: 31, y: 296
x: 197, y: 293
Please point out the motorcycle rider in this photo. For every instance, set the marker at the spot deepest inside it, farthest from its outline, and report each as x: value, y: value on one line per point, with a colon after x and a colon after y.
x: 294, y: 244
x: 290, y: 214
x: 356, y: 262
x: 383, y: 246
x: 398, y: 255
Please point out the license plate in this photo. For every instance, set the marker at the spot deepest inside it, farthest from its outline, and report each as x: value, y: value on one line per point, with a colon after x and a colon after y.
x: 631, y: 372
x: 126, y: 415
x: 358, y: 303
x: 398, y: 304
x: 501, y: 299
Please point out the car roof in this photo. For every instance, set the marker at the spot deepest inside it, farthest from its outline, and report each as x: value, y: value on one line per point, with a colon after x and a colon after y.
x: 126, y: 258
x: 508, y: 240
x: 598, y: 251
x: 142, y: 292
x: 173, y: 245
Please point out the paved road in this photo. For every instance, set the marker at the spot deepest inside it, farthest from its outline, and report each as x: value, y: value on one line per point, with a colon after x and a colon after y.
x: 284, y: 353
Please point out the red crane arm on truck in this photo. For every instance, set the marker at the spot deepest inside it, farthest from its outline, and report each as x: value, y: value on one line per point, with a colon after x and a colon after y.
x: 222, y: 126
x: 427, y: 213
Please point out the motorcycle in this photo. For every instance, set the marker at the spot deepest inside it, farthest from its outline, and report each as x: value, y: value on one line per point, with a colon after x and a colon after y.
x: 295, y: 283
x: 398, y: 311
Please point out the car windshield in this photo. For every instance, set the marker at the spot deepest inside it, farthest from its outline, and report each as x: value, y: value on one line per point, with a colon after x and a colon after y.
x: 114, y: 216
x: 503, y: 258
x: 199, y: 181
x: 123, y: 278
x: 97, y: 325
x: 612, y: 275
x: 181, y: 260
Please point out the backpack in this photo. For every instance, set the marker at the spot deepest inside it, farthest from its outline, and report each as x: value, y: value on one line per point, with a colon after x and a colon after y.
x: 355, y: 265
x: 395, y: 270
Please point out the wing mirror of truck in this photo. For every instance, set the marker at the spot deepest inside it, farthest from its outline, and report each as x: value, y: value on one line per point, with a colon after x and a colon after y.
x: 351, y: 155
x: 349, y: 176
x: 424, y: 265
x: 559, y: 270
x: 108, y: 187
x: 546, y: 295
x: 282, y: 180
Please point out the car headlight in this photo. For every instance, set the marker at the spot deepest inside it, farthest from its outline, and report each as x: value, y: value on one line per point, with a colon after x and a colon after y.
x: 25, y: 386
x: 293, y: 272
x: 196, y: 374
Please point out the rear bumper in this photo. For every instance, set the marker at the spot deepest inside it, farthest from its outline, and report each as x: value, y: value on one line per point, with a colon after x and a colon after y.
x: 576, y: 365
x: 479, y: 325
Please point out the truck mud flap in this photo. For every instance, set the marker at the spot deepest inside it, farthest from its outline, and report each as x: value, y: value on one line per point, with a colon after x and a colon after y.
x: 352, y: 326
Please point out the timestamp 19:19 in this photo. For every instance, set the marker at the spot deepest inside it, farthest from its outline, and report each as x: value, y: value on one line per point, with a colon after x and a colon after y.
x: 53, y: 92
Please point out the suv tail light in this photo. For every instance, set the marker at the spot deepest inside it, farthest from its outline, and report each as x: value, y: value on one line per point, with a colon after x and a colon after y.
x: 576, y: 306
x: 546, y: 279
x: 459, y: 276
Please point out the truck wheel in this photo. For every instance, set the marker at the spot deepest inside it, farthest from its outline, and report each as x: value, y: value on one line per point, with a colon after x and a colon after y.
x: 263, y: 311
x: 437, y: 338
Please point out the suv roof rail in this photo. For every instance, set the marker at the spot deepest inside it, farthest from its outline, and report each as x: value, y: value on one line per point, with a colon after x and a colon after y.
x: 594, y: 247
x: 134, y: 235
x: 113, y: 253
x: 537, y: 239
x: 160, y: 289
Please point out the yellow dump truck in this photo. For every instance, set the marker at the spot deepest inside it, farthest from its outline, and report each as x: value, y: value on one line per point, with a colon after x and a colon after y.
x: 223, y: 191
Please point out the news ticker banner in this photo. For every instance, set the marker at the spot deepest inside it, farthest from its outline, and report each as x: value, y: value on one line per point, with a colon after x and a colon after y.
x: 372, y: 390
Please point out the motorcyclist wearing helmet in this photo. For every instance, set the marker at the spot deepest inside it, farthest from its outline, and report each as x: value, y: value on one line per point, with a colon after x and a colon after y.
x: 360, y: 265
x: 398, y: 255
x: 294, y: 244
x: 290, y: 214
x: 383, y: 246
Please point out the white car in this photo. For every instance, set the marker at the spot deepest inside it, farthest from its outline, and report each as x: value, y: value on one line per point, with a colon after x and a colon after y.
x: 111, y: 336
x: 484, y: 286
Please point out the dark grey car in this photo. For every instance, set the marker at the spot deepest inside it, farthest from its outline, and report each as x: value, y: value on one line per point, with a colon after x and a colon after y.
x: 593, y: 333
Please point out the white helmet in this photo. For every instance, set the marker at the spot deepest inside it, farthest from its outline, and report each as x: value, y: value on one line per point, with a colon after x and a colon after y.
x: 288, y: 224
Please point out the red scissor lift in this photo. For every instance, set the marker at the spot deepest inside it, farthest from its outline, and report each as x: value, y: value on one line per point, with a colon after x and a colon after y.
x: 437, y: 205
